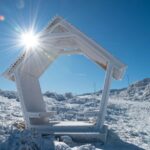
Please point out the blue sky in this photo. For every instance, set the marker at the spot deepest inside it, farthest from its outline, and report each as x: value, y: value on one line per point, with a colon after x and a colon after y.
x: 120, y: 26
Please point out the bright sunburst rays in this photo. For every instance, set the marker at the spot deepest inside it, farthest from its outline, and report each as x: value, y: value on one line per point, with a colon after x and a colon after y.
x: 22, y: 38
x: 20, y: 35
x: 29, y: 40
x: 19, y: 30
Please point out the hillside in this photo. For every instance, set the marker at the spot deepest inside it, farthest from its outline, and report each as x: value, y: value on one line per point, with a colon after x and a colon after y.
x: 127, y: 118
x: 138, y: 91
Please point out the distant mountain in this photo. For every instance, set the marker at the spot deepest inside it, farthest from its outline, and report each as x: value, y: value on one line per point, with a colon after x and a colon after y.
x: 138, y: 91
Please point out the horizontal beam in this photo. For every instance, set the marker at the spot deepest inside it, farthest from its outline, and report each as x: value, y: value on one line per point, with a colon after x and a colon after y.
x: 57, y: 35
x: 40, y: 114
x: 77, y: 130
x: 70, y: 52
x: 69, y: 128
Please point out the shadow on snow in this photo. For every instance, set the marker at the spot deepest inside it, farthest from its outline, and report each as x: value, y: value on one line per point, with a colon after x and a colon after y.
x: 30, y: 140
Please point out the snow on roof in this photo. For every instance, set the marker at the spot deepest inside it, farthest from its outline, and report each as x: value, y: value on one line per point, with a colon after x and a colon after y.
x: 62, y: 35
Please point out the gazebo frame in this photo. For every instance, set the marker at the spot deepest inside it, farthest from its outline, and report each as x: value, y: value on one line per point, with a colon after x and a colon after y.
x: 61, y: 38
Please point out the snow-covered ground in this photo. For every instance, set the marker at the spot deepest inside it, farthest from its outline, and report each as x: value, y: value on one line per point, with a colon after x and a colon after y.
x: 128, y: 119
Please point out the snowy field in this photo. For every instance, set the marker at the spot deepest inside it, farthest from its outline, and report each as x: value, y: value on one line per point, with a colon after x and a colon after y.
x: 128, y: 119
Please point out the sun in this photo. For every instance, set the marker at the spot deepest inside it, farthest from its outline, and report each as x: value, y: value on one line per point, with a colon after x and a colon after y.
x: 29, y: 40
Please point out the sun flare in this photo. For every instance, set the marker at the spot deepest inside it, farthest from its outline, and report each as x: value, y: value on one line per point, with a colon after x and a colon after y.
x: 29, y: 40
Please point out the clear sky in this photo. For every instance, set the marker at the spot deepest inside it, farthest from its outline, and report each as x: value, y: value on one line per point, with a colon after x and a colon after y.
x: 120, y: 26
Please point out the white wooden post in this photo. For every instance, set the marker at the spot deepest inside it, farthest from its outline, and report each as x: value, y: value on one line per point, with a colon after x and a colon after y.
x: 17, y: 80
x: 105, y: 95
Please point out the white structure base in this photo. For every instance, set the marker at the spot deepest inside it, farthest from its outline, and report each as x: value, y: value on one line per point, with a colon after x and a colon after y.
x: 78, y: 130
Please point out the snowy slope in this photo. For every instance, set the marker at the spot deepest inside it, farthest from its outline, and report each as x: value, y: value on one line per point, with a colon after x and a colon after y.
x: 139, y: 91
x: 127, y: 117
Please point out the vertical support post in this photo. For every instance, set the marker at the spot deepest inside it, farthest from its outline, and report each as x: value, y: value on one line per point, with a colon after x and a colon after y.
x: 17, y: 80
x: 105, y: 95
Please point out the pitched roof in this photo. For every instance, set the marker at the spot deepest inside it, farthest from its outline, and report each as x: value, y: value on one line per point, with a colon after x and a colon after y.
x: 60, y: 35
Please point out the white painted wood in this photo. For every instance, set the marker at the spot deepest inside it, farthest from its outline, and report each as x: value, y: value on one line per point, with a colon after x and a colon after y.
x: 41, y: 114
x: 70, y: 52
x: 17, y: 79
x: 68, y: 126
x: 27, y: 69
x: 57, y: 36
x: 53, y: 40
x: 30, y: 96
x: 105, y: 95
